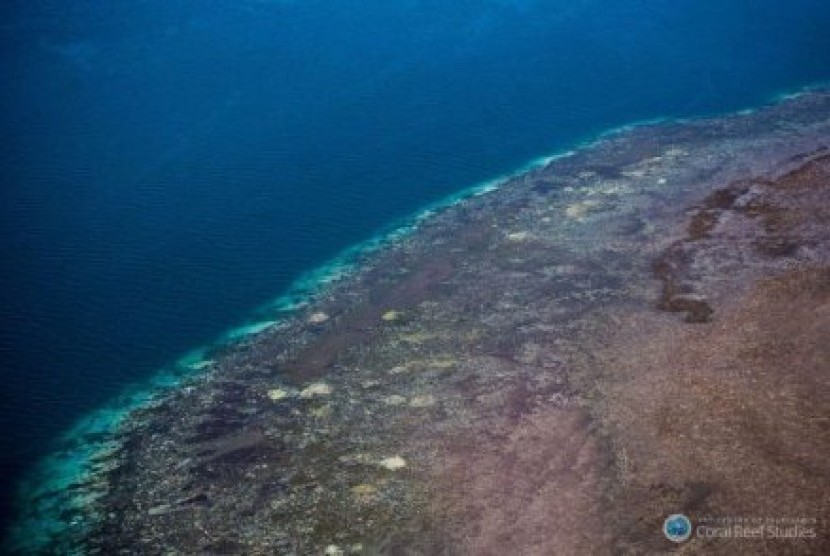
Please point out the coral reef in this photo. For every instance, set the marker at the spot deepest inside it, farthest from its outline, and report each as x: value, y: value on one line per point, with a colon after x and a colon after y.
x: 510, y: 378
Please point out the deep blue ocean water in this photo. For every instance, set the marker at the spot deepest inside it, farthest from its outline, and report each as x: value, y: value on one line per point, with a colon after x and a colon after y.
x: 169, y: 166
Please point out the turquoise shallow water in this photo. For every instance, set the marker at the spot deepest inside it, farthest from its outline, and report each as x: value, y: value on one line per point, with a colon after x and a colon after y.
x: 171, y: 167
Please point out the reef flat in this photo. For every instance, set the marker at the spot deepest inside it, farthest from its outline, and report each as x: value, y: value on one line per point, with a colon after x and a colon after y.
x: 636, y: 329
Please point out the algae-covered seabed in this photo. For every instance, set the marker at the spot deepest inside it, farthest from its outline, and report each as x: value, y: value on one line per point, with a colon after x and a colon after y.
x: 637, y: 329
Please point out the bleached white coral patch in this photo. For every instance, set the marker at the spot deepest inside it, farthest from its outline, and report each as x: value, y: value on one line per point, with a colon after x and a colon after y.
x: 316, y: 389
x: 393, y: 463
x: 318, y: 318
